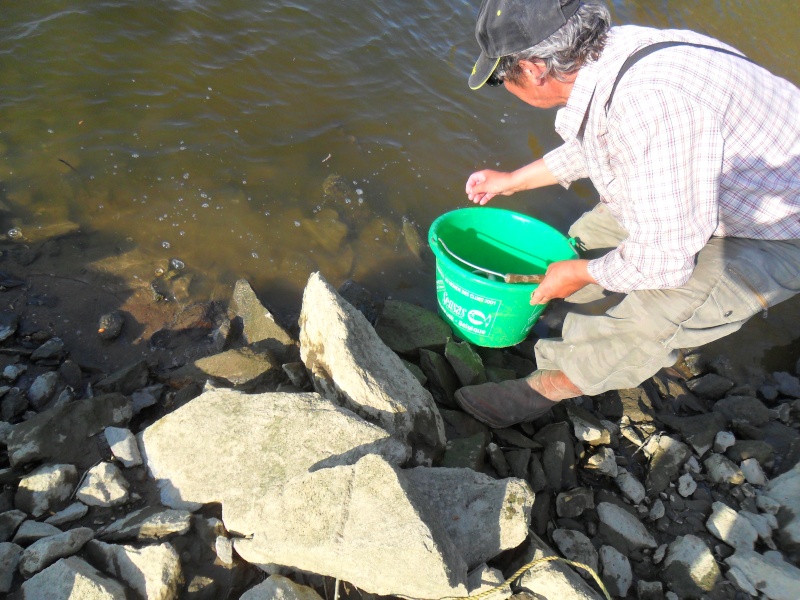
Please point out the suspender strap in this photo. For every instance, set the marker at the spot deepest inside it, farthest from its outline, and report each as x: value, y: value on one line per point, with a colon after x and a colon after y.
x: 642, y: 52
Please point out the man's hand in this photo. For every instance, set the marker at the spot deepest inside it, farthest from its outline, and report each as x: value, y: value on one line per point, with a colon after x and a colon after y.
x: 562, y: 279
x: 484, y: 185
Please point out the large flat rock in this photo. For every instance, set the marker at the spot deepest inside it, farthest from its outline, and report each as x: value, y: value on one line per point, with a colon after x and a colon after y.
x: 225, y: 441
x: 365, y: 524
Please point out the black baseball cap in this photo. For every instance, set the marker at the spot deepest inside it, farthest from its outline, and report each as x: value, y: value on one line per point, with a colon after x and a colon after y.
x: 508, y: 26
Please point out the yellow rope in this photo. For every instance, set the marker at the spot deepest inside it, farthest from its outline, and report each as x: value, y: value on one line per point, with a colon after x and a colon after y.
x: 530, y: 565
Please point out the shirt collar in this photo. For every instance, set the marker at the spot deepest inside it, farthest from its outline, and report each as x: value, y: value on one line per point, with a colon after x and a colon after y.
x: 569, y: 119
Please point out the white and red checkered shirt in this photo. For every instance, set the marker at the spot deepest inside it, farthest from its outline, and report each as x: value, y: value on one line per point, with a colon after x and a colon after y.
x: 696, y: 144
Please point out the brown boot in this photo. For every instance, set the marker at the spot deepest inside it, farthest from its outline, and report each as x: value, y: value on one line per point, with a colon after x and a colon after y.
x: 517, y: 400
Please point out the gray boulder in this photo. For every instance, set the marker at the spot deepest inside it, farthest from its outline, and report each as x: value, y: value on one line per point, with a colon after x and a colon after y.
x: 731, y: 527
x: 103, y: 485
x: 61, y: 434
x: 363, y: 523
x: 72, y: 579
x: 10, y: 555
x: 785, y: 490
x: 690, y: 569
x: 350, y: 365
x: 619, y: 522
x: 243, y: 368
x: 46, y: 489
x: 667, y: 456
x: 277, y: 435
x: 153, y: 572
x: 46, y: 551
x: 776, y: 579
x: 147, y: 524
x: 482, y: 515
x: 278, y: 587
x: 259, y: 325
x: 557, y: 578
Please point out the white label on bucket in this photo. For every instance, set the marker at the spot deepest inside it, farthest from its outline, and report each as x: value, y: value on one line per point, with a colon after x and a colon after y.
x: 478, y: 321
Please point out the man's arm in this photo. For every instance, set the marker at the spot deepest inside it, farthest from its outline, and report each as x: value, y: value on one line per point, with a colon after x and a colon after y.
x: 563, y: 278
x: 484, y: 185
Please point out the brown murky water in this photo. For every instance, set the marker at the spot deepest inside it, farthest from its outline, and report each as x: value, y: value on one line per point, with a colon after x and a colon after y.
x: 267, y: 140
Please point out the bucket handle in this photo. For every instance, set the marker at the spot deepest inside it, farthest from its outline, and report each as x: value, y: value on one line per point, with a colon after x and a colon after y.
x: 508, y: 277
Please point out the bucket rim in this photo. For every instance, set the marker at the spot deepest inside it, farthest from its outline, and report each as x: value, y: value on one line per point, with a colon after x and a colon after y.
x: 441, y: 255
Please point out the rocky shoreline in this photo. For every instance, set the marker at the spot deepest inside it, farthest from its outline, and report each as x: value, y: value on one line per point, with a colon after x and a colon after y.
x: 240, y: 459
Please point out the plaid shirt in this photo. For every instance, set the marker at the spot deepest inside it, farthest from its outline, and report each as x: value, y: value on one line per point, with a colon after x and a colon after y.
x: 696, y: 144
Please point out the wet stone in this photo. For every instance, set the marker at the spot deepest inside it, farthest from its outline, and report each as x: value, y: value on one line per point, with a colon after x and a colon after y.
x: 537, y: 477
x: 361, y: 299
x: 698, y: 431
x: 458, y: 424
x: 51, y: 349
x: 668, y: 456
x: 42, y: 389
x: 723, y: 441
x: 442, y: 380
x: 498, y: 460
x: 728, y: 526
x: 603, y: 462
x: 110, y: 325
x: 466, y: 363
x: 710, y: 386
x: 722, y: 470
x: 630, y: 487
x: 518, y: 461
x: 415, y: 371
x: 743, y: 409
x: 788, y: 384
x: 126, y: 380
x: 553, y: 460
x: 12, y: 372
x: 8, y: 325
x: 407, y: 328
x: 573, y: 503
x: 575, y: 546
x: 512, y: 437
x: 616, y: 569
x: 690, y: 569
x: 744, y: 449
x: 558, y: 432
x: 466, y: 452
x: 586, y: 427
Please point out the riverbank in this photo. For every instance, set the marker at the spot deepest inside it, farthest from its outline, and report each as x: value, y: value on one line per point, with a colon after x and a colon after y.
x: 128, y: 450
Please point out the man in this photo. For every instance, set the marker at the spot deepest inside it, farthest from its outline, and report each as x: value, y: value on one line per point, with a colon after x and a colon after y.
x: 695, y: 153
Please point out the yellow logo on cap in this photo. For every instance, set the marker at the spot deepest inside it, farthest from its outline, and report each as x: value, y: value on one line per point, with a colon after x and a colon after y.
x: 499, y: 12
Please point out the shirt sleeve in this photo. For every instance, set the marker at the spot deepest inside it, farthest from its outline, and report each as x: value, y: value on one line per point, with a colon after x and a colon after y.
x: 567, y: 163
x: 666, y: 157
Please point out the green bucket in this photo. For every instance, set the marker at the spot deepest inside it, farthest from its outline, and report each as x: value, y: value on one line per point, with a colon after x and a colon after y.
x: 469, y: 243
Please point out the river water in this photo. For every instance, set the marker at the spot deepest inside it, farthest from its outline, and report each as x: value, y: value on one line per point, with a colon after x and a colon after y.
x: 268, y: 140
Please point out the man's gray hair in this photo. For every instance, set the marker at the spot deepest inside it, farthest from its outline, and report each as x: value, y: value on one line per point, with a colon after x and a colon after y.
x: 579, y: 41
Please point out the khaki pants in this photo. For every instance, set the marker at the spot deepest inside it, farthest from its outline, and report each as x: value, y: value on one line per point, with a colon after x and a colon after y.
x: 615, y: 341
